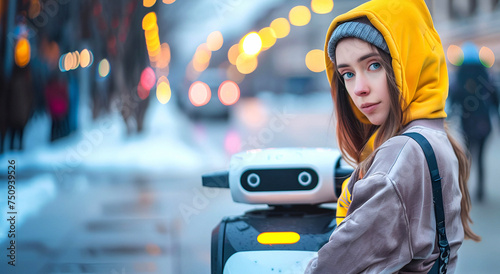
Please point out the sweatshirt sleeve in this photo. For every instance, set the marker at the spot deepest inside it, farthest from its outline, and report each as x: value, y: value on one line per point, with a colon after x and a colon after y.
x: 373, y: 238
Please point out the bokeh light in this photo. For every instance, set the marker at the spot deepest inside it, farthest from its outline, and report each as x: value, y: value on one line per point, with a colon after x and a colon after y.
x: 229, y: 93
x: 281, y: 27
x: 315, y: 60
x: 164, y: 57
x: 252, y: 113
x: 153, y: 45
x: 22, y: 52
x: 199, y: 93
x: 61, y: 63
x: 86, y: 58
x: 455, y: 55
x: 104, y: 68
x: 322, y: 6
x: 163, y: 91
x: 152, y: 33
x: 148, y: 78
x: 149, y: 21
x: 487, y: 57
x: 168, y: 1
x: 299, y: 16
x: 68, y: 61
x: 246, y: 64
x: 268, y: 37
x: 148, y: 3
x: 251, y: 44
x: 155, y: 50
x: 233, y: 54
x: 201, y: 58
x: 215, y: 41
x: 76, y: 60
x: 34, y: 9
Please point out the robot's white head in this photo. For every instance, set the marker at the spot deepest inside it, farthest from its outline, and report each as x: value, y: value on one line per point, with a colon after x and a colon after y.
x: 284, y: 176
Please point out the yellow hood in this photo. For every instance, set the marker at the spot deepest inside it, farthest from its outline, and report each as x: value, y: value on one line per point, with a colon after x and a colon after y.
x: 417, y: 54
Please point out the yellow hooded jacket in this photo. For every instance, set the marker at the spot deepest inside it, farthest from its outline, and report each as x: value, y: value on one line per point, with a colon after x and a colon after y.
x: 418, y: 60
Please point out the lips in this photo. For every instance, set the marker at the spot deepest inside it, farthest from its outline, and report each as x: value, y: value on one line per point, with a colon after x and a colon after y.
x: 369, y: 107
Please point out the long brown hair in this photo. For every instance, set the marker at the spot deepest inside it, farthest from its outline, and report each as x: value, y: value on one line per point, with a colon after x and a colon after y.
x: 353, y: 135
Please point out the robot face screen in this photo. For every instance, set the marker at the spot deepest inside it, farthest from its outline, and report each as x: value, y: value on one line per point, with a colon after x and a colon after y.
x: 279, y: 179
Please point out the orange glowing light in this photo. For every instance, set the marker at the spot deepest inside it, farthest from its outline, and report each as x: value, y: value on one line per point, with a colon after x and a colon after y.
x: 85, y: 58
x: 68, y: 61
x: 233, y: 54
x: 168, y: 1
x: 455, y: 55
x: 299, y: 16
x: 202, y: 54
x: 76, y: 60
x: 199, y: 93
x: 281, y: 27
x: 34, y: 10
x: 322, y: 6
x: 315, y: 60
x: 164, y: 57
x: 215, y: 41
x: 229, y: 92
x: 153, y: 45
x: 152, y: 33
x: 163, y: 91
x: 268, y: 37
x: 246, y: 64
x: 148, y: 3
x: 487, y: 57
x: 22, y: 52
x: 274, y: 238
x: 149, y: 21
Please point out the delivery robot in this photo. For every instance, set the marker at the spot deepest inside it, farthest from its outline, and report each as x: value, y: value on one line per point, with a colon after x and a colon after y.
x: 295, y: 183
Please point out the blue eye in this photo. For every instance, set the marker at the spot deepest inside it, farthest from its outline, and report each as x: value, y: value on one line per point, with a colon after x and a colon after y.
x: 375, y: 66
x: 348, y: 75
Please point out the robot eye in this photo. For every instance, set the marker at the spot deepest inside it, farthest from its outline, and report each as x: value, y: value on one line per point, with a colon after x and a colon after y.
x: 253, y: 180
x: 305, y: 178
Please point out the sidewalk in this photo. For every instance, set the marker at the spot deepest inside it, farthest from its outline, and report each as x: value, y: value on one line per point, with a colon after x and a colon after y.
x: 482, y: 257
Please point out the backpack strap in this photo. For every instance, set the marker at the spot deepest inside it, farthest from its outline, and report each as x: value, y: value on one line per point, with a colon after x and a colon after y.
x: 441, y: 264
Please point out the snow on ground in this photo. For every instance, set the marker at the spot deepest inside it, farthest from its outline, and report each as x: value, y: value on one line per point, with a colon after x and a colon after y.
x: 102, y: 146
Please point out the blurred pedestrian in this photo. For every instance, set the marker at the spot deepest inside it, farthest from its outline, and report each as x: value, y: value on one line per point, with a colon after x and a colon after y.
x: 57, y: 99
x: 474, y: 97
x: 19, y: 104
x: 387, y: 70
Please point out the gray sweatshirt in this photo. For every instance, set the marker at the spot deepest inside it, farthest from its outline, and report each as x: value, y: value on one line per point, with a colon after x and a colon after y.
x: 390, y: 225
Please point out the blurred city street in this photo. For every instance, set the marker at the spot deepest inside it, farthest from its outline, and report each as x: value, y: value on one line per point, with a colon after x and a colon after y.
x: 111, y: 111
x: 133, y: 218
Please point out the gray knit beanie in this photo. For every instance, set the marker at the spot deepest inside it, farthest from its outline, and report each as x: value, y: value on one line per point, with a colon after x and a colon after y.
x: 359, y: 30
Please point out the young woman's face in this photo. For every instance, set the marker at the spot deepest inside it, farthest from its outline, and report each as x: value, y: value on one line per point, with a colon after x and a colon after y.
x: 359, y: 64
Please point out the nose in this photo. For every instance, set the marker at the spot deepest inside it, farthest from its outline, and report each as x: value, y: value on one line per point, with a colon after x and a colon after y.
x: 362, y: 87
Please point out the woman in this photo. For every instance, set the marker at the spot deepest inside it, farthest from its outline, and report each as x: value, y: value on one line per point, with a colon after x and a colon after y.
x: 386, y: 66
